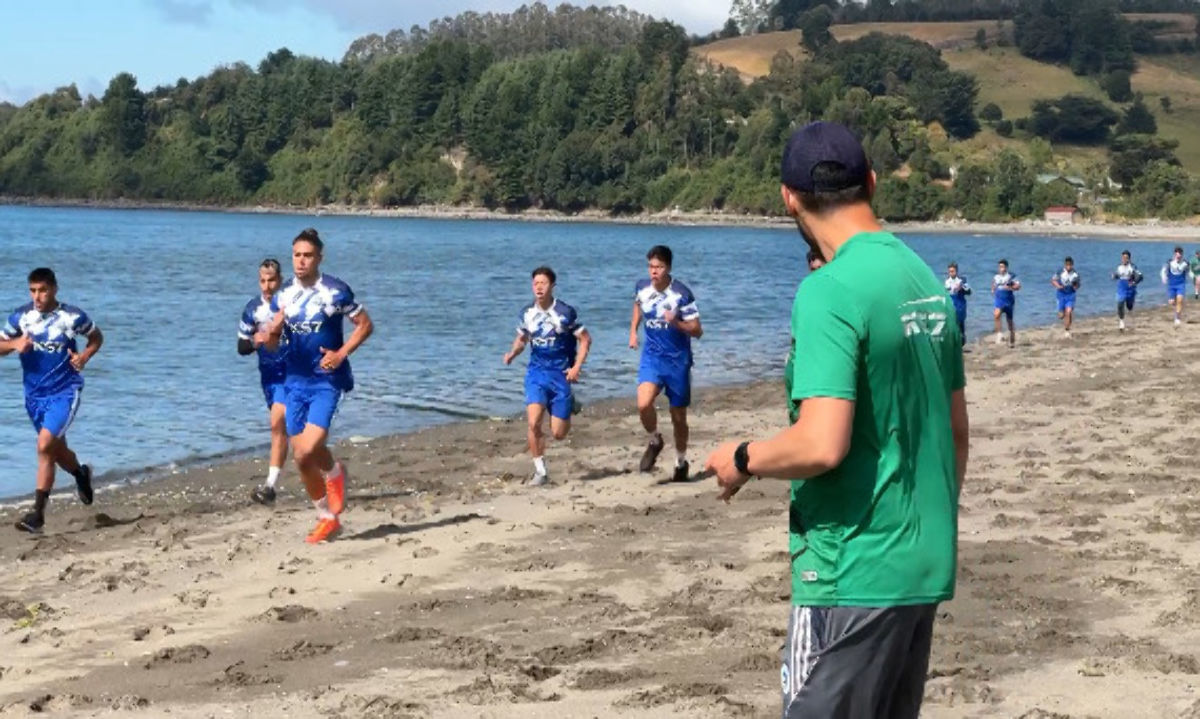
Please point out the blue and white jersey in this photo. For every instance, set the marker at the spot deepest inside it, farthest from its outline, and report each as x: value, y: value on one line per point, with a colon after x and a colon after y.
x: 47, y: 366
x: 552, y: 335
x: 1175, y: 272
x: 1004, y: 291
x: 1127, y: 276
x: 272, y: 366
x: 958, y: 289
x: 662, y: 340
x: 312, y: 320
x: 1069, y: 279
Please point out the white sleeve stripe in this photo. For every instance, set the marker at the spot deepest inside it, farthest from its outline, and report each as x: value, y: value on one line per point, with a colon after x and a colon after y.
x: 357, y: 309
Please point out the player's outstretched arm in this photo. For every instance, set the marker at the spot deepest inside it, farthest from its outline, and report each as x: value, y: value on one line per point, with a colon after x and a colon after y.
x: 363, y: 327
x: 19, y: 344
x: 581, y: 353
x: 691, y: 327
x: 95, y: 339
x: 518, y: 346
x: 633, y: 325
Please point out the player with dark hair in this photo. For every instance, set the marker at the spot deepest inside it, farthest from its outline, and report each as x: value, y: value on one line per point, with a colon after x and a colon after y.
x: 44, y: 332
x: 958, y: 289
x: 1004, y: 288
x: 668, y: 310
x: 1066, y: 284
x: 1128, y: 277
x: 253, y: 336
x: 560, y: 347
x: 1174, y: 276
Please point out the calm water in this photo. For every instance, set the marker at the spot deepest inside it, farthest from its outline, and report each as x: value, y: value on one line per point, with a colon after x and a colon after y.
x: 167, y: 289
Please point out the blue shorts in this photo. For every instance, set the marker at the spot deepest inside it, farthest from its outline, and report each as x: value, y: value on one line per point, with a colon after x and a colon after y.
x: 54, y: 413
x: 310, y: 405
x: 674, y: 380
x: 1006, y: 310
x: 1176, y: 290
x: 550, y: 389
x: 1066, y: 301
x: 274, y: 393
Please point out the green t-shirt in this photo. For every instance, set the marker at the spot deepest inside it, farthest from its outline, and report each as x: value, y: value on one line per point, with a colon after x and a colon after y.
x: 876, y: 327
x: 1194, y: 264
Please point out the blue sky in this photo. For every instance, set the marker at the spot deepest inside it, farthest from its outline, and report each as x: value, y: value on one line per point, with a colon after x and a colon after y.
x: 51, y: 43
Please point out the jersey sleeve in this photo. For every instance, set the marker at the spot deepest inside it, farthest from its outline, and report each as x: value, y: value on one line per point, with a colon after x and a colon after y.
x: 522, y: 328
x: 572, y: 323
x: 966, y: 289
x: 12, y: 327
x: 344, y: 302
x: 247, y: 326
x: 688, y: 310
x: 82, y: 326
x: 830, y: 330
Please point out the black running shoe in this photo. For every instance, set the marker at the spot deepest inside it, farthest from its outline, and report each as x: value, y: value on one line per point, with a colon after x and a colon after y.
x: 681, y: 473
x: 263, y: 494
x: 83, y: 485
x: 32, y: 523
x: 651, y: 454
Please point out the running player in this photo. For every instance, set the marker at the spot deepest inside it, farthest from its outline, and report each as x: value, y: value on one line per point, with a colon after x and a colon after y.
x: 959, y: 290
x: 560, y: 347
x: 672, y: 321
x: 1004, y: 286
x: 43, y: 333
x: 311, y: 309
x: 253, y: 333
x: 1174, y: 276
x: 1194, y: 268
x: 1066, y: 284
x: 1128, y: 277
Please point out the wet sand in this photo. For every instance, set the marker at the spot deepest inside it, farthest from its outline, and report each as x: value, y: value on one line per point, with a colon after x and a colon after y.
x: 457, y: 591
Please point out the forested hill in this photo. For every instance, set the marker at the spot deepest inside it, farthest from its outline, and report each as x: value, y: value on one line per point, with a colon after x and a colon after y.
x: 607, y: 109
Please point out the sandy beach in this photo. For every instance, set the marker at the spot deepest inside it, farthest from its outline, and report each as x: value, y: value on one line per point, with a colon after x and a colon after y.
x: 456, y: 591
x: 1149, y: 230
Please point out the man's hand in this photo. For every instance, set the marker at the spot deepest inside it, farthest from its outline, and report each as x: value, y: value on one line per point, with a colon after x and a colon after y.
x: 22, y: 344
x: 331, y: 359
x: 670, y: 316
x: 633, y: 340
x: 78, y: 361
x: 573, y: 374
x: 275, y: 327
x: 260, y: 338
x: 720, y: 462
x: 508, y: 358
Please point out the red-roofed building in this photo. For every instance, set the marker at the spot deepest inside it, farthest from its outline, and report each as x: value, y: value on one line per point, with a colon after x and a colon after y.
x: 1063, y: 214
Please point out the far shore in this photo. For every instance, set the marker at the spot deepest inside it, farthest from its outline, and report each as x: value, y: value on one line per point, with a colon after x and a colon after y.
x: 1148, y: 230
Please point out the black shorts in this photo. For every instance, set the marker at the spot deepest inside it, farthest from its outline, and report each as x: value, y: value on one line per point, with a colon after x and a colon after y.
x: 856, y: 662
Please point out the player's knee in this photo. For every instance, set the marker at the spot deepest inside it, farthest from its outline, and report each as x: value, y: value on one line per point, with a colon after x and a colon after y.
x: 560, y: 430
x: 47, y: 444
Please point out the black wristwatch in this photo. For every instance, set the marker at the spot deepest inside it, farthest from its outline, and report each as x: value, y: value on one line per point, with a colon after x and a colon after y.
x: 741, y: 458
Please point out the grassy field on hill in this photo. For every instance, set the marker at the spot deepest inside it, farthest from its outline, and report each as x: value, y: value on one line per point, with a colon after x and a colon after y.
x: 1011, y: 80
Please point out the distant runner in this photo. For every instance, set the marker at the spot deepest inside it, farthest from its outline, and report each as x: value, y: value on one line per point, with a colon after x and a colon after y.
x: 1174, y: 276
x: 959, y: 290
x: 560, y: 347
x: 672, y: 321
x: 311, y: 309
x: 1128, y: 277
x: 1194, y: 268
x: 1066, y: 284
x: 1004, y: 286
x: 253, y: 335
x: 43, y: 333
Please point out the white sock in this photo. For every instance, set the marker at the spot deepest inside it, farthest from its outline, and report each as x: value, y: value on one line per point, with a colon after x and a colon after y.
x: 335, y: 471
x: 322, y: 506
x: 680, y: 458
x: 539, y: 465
x: 272, y: 476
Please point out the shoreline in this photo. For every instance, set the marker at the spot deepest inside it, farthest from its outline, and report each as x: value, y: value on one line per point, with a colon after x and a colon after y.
x: 1140, y: 231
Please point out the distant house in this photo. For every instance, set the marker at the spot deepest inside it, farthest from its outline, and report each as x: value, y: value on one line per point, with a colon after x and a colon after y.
x: 1063, y: 214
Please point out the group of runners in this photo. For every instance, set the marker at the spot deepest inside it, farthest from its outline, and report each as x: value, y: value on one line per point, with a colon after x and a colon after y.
x: 1066, y: 283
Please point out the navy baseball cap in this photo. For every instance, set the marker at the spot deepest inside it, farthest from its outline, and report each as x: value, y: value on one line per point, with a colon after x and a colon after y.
x: 823, y: 142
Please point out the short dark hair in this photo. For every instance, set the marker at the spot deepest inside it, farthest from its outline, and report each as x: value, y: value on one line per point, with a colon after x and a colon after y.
x: 271, y: 264
x: 310, y: 236
x: 44, y: 275
x: 662, y: 253
x: 1127, y: 253
x: 546, y: 272
x: 833, y: 174
x: 1003, y: 262
x: 952, y: 264
x: 1068, y: 259
x: 1179, y: 249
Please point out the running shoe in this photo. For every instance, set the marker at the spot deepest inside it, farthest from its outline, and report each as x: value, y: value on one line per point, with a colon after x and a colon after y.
x: 539, y: 480
x: 32, y: 523
x: 681, y: 473
x: 324, y: 531
x: 83, y: 485
x: 1121, y: 325
x: 264, y: 494
x: 651, y: 454
x: 335, y: 490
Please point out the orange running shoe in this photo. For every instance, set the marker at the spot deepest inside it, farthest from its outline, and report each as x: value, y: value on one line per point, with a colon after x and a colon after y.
x: 335, y: 490
x: 324, y: 531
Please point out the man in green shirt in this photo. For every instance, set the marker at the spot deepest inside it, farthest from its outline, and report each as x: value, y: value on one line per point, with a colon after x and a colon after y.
x: 1194, y: 267
x: 877, y: 454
